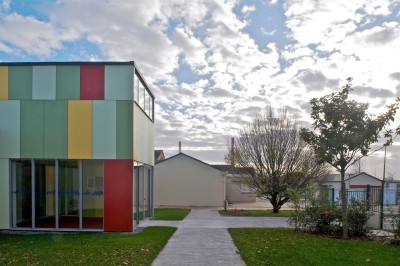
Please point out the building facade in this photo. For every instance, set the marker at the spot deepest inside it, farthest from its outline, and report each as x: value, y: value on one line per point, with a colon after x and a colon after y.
x: 76, y: 146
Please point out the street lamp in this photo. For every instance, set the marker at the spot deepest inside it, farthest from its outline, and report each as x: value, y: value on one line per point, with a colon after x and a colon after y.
x: 383, y: 185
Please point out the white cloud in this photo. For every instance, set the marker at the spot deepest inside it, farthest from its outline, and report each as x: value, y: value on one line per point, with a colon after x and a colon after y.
x: 246, y: 10
x: 27, y: 34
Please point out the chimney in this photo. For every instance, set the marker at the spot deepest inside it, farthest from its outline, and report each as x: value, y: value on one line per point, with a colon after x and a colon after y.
x: 233, y: 152
x: 180, y: 146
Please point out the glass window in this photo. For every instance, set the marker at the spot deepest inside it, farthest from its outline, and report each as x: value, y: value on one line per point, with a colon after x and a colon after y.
x: 92, y: 194
x: 45, y: 190
x: 68, y: 193
x: 21, y: 180
x: 136, y: 88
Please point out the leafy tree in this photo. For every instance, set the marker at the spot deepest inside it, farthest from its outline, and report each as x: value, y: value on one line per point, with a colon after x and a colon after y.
x: 343, y: 133
x: 272, y: 158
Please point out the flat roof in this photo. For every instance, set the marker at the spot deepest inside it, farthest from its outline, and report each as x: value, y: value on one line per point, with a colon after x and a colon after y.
x: 49, y: 63
x: 67, y: 63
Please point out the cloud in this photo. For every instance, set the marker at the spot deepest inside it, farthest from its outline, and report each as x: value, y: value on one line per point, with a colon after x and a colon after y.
x: 5, y: 5
x: 372, y: 92
x: 395, y: 76
x: 315, y: 80
x: 246, y: 10
x: 383, y: 35
x: 29, y: 35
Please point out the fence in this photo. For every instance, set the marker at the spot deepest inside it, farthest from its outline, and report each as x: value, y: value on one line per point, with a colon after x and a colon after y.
x: 373, y: 195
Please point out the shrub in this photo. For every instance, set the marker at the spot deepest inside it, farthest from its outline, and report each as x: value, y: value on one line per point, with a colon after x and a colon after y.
x: 324, y: 217
x: 358, y: 213
x: 317, y: 215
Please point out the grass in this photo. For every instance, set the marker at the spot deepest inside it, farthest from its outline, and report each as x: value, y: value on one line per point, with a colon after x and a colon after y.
x: 267, y: 246
x: 170, y: 214
x: 255, y: 213
x: 84, y: 248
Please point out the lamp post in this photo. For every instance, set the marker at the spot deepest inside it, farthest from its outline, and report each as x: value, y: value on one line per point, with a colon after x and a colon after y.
x: 383, y: 186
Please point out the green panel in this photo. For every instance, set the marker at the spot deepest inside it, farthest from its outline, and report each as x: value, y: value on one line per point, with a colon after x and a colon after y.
x: 104, y: 130
x: 124, y: 130
x: 20, y: 83
x: 32, y: 118
x: 9, y: 129
x: 118, y: 82
x: 44, y: 82
x: 68, y: 82
x: 4, y: 194
x: 56, y: 129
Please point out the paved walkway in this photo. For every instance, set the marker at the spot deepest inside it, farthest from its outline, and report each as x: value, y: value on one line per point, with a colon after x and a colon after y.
x: 202, y: 238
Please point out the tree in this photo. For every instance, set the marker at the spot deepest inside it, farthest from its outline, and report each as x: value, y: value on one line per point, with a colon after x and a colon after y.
x: 343, y: 133
x: 271, y: 157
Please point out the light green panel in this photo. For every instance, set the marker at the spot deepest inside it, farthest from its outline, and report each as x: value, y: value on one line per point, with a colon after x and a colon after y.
x: 118, y: 82
x: 32, y: 116
x: 124, y: 130
x: 4, y: 194
x: 68, y: 82
x: 19, y: 82
x: 104, y: 130
x: 56, y: 129
x: 9, y: 129
x: 44, y: 82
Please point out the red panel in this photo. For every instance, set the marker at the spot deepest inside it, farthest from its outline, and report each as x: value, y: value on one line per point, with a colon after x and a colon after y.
x: 363, y: 186
x: 92, y: 82
x: 118, y: 216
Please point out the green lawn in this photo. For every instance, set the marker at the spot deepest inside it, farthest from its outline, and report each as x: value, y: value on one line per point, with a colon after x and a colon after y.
x: 255, y: 213
x: 84, y: 248
x: 267, y: 246
x: 170, y: 214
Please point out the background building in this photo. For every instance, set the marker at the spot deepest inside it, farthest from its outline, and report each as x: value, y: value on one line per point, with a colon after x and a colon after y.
x: 76, y: 146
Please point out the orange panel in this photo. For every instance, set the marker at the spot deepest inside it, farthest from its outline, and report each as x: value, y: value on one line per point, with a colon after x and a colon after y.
x: 80, y: 129
x: 3, y: 82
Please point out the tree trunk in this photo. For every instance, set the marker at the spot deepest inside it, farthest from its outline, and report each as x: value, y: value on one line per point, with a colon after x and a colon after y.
x: 344, y: 204
x: 275, y: 205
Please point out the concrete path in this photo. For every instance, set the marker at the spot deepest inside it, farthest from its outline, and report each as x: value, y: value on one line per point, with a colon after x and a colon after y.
x: 202, y: 238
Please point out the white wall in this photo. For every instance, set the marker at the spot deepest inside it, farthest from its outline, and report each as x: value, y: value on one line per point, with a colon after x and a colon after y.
x: 184, y: 181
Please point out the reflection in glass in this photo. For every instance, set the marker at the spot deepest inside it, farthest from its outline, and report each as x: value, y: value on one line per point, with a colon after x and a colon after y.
x: 92, y: 194
x: 21, y: 180
x: 45, y: 189
x: 68, y: 193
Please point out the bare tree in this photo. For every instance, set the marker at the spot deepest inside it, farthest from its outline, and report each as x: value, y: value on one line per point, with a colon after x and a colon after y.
x: 272, y: 157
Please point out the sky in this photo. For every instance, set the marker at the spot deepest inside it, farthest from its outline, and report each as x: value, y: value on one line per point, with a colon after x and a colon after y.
x: 215, y: 64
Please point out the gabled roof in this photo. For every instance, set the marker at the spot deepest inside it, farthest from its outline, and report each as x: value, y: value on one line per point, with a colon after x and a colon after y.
x: 159, y: 155
x: 337, y: 177
x: 353, y: 176
x: 183, y: 154
x: 231, y: 170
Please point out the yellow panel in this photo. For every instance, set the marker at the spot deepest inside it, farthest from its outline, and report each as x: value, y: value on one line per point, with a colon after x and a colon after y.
x: 3, y: 82
x: 79, y: 129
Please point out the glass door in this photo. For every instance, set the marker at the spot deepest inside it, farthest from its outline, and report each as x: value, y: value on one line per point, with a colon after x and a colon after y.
x: 68, y: 194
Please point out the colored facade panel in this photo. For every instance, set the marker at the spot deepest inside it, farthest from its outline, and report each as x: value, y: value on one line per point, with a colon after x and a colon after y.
x: 56, y: 129
x: 44, y: 82
x: 9, y: 129
x: 118, y: 195
x: 104, y: 130
x: 118, y: 82
x: 92, y: 82
x: 32, y: 125
x: 20, y: 82
x: 4, y: 194
x: 3, y: 82
x: 68, y: 82
x: 124, y: 130
x: 79, y: 129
